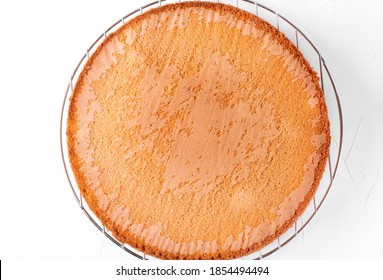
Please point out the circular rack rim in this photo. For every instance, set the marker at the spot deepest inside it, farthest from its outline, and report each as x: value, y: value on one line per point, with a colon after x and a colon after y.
x: 323, y: 69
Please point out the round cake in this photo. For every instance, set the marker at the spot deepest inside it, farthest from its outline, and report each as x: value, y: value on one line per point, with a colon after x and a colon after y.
x: 197, y: 131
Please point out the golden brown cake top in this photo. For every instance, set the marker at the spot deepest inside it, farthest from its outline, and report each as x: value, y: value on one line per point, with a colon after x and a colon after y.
x: 197, y: 130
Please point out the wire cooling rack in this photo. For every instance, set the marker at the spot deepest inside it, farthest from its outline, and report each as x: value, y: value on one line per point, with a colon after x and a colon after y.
x: 311, y: 53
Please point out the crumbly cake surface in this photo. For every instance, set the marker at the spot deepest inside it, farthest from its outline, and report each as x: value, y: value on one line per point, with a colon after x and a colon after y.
x: 197, y: 131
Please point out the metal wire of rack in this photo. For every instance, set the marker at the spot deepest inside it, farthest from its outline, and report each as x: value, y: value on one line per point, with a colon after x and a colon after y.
x: 311, y: 53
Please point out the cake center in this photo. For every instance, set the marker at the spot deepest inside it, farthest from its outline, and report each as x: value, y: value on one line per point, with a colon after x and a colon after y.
x: 214, y: 137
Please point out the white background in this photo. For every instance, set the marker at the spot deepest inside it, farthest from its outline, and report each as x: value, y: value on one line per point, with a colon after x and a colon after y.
x: 41, y: 43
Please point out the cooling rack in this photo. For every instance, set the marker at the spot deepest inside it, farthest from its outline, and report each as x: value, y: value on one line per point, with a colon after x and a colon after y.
x: 310, y: 52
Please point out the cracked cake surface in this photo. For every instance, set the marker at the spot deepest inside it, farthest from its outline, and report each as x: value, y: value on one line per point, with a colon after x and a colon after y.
x: 197, y: 131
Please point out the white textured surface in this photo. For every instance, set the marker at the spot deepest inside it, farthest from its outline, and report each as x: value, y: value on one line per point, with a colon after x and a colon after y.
x: 41, y: 43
